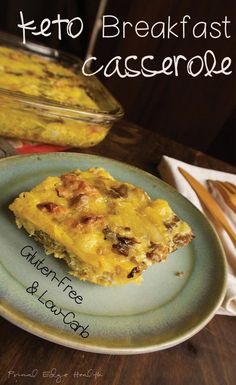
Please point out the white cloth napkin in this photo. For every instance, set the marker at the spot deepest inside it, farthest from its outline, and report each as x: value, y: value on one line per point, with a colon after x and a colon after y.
x: 169, y: 172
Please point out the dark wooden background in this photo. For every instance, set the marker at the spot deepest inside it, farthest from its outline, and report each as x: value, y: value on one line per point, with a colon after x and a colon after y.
x: 199, y: 112
x: 194, y: 111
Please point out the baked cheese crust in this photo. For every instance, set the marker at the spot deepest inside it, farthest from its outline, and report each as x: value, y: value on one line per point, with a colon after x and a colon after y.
x: 107, y: 231
x: 36, y: 76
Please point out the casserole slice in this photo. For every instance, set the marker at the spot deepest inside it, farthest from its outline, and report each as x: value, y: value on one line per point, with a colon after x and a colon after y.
x: 107, y: 231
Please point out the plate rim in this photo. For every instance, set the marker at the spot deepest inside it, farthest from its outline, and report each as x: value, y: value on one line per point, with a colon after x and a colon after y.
x: 65, y: 339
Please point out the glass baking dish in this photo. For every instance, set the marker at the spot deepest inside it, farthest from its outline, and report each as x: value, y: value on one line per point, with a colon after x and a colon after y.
x: 44, y: 97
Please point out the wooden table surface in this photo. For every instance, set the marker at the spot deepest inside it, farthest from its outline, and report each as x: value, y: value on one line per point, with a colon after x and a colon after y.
x: 208, y: 358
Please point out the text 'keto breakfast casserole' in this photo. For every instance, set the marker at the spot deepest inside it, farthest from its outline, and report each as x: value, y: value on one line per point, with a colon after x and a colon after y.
x: 107, y: 231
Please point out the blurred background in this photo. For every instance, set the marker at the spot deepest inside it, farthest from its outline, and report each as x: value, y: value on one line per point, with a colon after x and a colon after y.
x: 199, y: 112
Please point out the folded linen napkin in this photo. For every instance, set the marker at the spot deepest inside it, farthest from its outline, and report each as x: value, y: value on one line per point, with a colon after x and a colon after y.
x: 169, y: 172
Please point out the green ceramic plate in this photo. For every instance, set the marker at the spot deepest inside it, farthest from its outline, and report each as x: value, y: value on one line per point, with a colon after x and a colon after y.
x: 163, y: 311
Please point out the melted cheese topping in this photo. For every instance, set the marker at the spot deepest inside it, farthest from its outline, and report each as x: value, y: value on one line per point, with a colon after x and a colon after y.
x: 37, y: 76
x: 109, y: 231
x: 33, y: 75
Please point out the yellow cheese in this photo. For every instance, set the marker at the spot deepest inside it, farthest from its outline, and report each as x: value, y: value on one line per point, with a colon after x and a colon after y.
x: 45, y: 80
x: 108, y: 232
